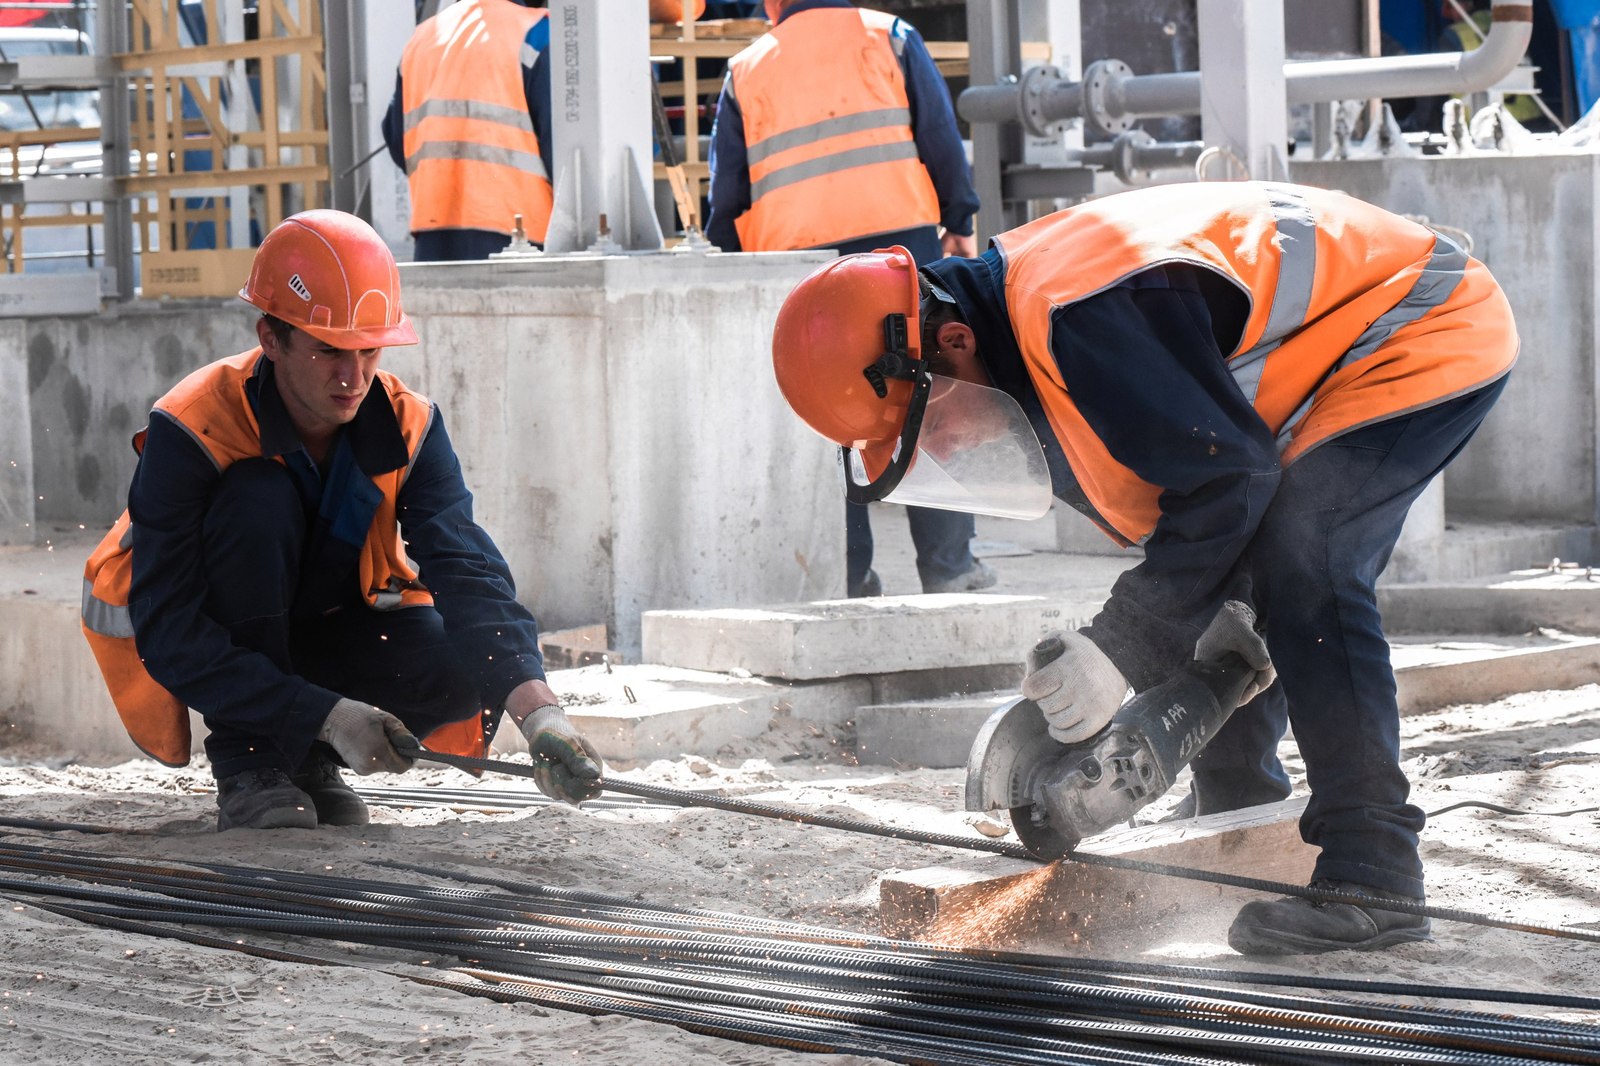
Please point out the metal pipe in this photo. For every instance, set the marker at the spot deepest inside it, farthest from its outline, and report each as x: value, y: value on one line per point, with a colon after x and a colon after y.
x: 1110, y: 96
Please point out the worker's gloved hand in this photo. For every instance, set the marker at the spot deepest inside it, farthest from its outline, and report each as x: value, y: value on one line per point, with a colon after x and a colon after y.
x: 565, y: 765
x: 1234, y: 630
x: 365, y: 738
x: 1079, y: 690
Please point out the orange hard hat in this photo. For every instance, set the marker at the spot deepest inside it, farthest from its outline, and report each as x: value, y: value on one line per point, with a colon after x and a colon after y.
x: 834, y: 334
x: 330, y: 274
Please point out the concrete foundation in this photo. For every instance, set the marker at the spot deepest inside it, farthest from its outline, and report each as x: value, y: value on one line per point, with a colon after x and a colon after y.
x: 879, y: 635
x: 932, y: 733
x: 638, y: 713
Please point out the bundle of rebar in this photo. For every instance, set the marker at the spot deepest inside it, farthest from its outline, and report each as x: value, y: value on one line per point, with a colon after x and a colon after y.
x: 791, y: 985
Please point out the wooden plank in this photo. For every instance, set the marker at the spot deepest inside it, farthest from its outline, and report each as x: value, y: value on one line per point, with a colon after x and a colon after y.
x: 270, y: 177
x: 194, y: 55
x: 1015, y: 905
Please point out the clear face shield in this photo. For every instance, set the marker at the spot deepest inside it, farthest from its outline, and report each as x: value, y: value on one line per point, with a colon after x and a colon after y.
x: 964, y: 447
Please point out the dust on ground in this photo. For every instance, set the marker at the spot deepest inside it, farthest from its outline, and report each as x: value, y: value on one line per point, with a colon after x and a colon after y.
x: 74, y: 993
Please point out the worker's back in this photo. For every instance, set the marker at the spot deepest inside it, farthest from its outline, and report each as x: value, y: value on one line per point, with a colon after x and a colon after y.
x: 828, y: 132
x: 472, y: 157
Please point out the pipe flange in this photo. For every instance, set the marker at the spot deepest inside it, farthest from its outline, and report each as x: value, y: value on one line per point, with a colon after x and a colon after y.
x: 1102, y: 97
x: 1030, y: 101
x: 1125, y: 152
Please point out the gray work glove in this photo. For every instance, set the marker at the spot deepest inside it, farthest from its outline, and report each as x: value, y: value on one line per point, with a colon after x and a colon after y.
x: 565, y: 765
x: 365, y: 737
x: 1079, y: 691
x: 1234, y: 629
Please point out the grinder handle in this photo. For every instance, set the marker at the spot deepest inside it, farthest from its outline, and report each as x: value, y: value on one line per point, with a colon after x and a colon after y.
x: 1049, y: 649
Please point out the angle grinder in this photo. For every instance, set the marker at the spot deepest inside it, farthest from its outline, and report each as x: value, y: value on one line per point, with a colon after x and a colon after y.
x: 1058, y: 794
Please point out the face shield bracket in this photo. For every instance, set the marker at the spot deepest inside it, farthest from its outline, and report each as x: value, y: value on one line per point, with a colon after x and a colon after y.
x: 897, y: 363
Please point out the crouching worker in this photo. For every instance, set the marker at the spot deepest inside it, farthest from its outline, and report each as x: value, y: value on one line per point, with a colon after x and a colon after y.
x: 258, y: 576
x: 1254, y: 381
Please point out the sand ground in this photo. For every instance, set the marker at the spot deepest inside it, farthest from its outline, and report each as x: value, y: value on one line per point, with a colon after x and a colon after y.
x: 73, y: 993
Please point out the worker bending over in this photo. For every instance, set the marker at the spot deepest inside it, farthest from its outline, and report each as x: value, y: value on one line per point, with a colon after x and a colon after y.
x: 258, y: 574
x: 1254, y: 381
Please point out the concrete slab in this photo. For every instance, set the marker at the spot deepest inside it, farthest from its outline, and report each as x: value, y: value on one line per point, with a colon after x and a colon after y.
x: 929, y: 733
x: 1565, y: 598
x: 1430, y: 673
x: 1015, y: 905
x: 1437, y: 672
x: 637, y: 713
x: 837, y: 638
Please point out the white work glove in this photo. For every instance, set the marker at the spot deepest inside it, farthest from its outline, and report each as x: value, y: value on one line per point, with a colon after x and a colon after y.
x: 565, y: 765
x: 1079, y: 691
x: 365, y: 737
x: 1234, y: 630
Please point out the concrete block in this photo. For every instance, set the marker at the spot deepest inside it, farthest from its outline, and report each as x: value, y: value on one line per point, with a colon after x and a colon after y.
x: 1442, y: 672
x: 17, y: 497
x: 638, y: 713
x: 938, y: 730
x: 1520, y: 602
x: 1056, y: 908
x: 874, y: 636
x: 564, y: 649
x: 931, y: 733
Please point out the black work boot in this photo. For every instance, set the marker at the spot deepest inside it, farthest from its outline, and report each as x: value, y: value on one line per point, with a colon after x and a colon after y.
x: 336, y: 802
x: 1297, y: 926
x: 263, y: 799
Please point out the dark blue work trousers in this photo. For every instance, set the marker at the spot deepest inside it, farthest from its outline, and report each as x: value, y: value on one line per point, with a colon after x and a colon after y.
x: 943, y: 540
x: 1314, y: 562
x: 255, y: 538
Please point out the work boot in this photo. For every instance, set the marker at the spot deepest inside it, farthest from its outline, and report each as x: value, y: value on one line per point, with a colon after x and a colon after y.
x: 1298, y: 926
x: 979, y: 577
x: 870, y: 585
x: 263, y: 799
x: 336, y: 802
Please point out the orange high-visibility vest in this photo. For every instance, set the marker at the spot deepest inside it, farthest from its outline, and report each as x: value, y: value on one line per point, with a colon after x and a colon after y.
x: 1356, y: 314
x: 472, y: 158
x: 211, y: 404
x: 827, y: 128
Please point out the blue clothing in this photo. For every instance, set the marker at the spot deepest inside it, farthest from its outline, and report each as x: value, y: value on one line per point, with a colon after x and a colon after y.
x: 1144, y: 362
x: 254, y: 538
x: 182, y: 622
x: 459, y: 245
x: 933, y: 126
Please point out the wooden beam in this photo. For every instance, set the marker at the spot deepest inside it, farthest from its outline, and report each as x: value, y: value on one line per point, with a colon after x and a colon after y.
x: 1065, y: 907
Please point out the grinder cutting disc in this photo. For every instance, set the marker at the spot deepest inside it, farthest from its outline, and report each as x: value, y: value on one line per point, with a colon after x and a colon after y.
x: 1007, y: 759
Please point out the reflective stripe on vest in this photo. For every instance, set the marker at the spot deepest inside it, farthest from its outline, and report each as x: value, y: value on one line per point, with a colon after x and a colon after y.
x: 829, y: 145
x: 472, y: 157
x: 1356, y: 315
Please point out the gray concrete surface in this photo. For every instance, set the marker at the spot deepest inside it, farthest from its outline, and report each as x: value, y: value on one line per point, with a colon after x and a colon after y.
x: 1565, y: 598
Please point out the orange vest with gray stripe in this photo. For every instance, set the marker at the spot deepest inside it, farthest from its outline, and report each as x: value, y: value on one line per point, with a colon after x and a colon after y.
x: 211, y: 404
x: 1356, y: 315
x: 827, y: 127
x: 472, y: 158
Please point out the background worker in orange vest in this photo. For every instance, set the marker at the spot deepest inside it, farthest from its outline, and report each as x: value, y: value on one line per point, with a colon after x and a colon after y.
x: 470, y: 126
x: 1255, y: 381
x: 835, y: 130
x: 258, y: 576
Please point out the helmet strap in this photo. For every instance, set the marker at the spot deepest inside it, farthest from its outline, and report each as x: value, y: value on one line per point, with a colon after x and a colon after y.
x: 896, y: 361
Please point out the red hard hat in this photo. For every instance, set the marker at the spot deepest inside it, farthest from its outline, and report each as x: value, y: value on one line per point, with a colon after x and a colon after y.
x: 829, y: 331
x: 330, y: 274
